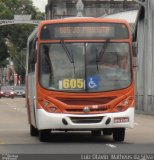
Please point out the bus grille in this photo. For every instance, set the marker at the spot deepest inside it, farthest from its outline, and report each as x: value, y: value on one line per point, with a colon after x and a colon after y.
x: 86, y: 101
x: 91, y: 109
x: 86, y: 119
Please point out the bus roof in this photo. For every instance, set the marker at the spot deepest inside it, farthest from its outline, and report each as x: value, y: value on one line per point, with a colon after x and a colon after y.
x: 84, y: 19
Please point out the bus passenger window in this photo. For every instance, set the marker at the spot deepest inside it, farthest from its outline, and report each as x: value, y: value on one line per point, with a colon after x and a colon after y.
x: 31, y: 61
x: 46, y: 67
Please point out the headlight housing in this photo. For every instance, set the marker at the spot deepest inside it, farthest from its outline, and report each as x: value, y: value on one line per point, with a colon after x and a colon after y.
x: 124, y: 104
x: 48, y: 106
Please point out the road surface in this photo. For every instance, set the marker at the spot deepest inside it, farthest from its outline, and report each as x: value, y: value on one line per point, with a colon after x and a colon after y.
x: 15, y: 137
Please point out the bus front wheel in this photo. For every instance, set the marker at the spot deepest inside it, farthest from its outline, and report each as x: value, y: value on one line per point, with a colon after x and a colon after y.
x: 44, y: 135
x: 118, y: 134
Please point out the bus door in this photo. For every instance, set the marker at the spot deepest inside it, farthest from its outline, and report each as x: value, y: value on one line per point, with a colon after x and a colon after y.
x: 32, y: 82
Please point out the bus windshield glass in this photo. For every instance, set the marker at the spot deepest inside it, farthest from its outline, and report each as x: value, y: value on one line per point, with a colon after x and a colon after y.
x: 85, y: 67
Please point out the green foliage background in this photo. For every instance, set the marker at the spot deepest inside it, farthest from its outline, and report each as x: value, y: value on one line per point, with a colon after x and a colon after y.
x: 13, y: 38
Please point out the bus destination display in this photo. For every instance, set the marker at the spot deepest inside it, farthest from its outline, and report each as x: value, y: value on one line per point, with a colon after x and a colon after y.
x: 84, y: 31
x: 87, y: 31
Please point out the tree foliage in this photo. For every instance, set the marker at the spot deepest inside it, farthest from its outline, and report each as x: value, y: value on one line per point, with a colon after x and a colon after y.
x: 13, y: 38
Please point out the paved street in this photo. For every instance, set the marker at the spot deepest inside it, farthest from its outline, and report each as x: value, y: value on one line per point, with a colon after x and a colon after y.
x: 14, y: 133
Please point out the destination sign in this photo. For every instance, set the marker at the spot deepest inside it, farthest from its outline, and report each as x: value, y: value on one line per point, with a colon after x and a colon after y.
x: 84, y: 31
x: 87, y: 31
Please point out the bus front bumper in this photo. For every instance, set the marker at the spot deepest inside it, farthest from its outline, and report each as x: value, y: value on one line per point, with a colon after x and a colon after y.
x: 55, y: 121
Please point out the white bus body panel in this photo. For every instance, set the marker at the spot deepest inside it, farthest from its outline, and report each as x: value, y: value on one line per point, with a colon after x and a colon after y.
x: 54, y: 120
x: 32, y: 97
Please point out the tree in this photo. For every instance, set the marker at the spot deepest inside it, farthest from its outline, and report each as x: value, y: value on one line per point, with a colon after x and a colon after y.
x: 3, y: 50
x: 13, y: 38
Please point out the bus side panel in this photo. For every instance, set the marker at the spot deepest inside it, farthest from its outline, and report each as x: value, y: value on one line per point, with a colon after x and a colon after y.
x: 27, y: 101
x: 31, y: 78
x: 32, y: 97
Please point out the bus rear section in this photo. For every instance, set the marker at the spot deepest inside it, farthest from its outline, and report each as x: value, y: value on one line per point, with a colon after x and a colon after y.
x: 80, y: 77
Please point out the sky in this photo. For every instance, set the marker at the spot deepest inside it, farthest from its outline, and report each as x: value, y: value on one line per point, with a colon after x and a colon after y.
x: 40, y: 4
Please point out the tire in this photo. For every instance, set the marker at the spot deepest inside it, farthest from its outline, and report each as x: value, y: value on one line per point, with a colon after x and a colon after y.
x: 119, y: 134
x: 33, y: 131
x: 96, y: 132
x: 107, y: 132
x: 44, y: 135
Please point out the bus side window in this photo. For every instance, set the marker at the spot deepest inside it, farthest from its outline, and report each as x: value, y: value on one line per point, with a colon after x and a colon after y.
x: 32, y: 54
x: 46, y: 67
x: 29, y: 57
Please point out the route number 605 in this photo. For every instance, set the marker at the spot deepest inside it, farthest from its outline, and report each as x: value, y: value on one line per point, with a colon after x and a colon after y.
x: 73, y: 83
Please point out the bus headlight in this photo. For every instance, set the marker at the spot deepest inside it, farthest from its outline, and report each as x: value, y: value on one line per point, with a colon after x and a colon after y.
x: 126, y: 102
x: 53, y: 109
x: 119, y: 108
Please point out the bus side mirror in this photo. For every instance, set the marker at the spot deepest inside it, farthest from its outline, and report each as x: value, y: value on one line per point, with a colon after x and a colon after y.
x: 135, y: 49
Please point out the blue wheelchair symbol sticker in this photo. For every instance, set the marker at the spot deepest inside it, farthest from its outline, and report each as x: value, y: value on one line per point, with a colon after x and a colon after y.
x: 93, y: 82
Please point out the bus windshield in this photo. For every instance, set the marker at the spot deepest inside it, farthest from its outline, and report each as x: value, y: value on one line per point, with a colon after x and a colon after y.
x: 85, y: 67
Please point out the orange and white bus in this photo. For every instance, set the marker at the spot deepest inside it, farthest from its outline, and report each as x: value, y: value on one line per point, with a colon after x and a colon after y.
x: 80, y: 77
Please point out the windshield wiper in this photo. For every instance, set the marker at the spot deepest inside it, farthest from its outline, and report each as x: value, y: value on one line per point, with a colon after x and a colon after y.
x: 98, y: 57
x: 70, y: 57
x: 67, y: 51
